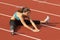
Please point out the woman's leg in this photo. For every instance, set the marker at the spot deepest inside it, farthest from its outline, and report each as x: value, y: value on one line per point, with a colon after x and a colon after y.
x: 35, y: 21
x: 46, y: 20
x: 12, y: 26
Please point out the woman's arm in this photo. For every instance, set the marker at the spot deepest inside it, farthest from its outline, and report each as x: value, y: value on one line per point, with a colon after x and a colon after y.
x: 23, y: 22
x: 34, y: 25
x: 36, y: 29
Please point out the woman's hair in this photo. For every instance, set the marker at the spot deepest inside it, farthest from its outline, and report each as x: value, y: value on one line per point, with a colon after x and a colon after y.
x: 24, y: 9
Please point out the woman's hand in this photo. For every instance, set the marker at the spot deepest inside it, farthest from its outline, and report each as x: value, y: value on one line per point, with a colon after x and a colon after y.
x: 35, y: 30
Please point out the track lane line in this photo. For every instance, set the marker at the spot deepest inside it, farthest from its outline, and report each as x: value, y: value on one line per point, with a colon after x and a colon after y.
x: 41, y: 24
x: 45, y: 2
x: 31, y: 9
x: 5, y: 15
x: 51, y: 27
x: 20, y: 34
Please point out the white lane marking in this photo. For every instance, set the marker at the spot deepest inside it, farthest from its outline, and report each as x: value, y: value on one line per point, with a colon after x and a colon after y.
x: 20, y: 34
x: 31, y: 9
x: 51, y: 27
x: 5, y: 15
x: 11, y: 5
x: 45, y: 2
x: 46, y: 13
x: 42, y: 24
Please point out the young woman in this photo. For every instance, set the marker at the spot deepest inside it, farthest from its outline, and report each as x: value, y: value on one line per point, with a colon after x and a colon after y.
x: 22, y: 17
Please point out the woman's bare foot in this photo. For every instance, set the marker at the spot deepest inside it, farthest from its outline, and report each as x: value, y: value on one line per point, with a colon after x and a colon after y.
x: 47, y: 19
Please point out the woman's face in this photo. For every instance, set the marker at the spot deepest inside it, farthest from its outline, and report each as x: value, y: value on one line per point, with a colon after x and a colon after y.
x: 26, y: 13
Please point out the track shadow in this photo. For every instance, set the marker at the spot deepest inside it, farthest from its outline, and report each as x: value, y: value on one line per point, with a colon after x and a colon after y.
x: 53, y: 23
x: 49, y: 24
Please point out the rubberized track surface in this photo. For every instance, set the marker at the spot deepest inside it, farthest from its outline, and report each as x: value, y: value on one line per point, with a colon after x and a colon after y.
x: 39, y: 10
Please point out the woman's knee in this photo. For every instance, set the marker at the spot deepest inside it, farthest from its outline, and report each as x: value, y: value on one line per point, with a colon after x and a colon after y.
x: 12, y: 24
x: 36, y: 21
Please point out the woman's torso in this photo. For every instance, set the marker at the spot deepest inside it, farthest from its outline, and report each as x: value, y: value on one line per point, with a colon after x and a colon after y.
x: 15, y: 16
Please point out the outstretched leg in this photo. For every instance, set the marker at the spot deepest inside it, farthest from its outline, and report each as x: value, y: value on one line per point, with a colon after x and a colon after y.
x: 46, y: 20
x: 37, y: 21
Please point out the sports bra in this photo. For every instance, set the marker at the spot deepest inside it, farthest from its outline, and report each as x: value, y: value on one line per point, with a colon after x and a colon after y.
x: 16, y: 17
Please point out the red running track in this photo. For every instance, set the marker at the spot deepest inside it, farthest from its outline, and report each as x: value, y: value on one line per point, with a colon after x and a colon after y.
x: 46, y: 33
